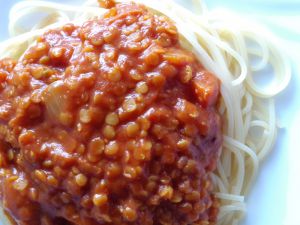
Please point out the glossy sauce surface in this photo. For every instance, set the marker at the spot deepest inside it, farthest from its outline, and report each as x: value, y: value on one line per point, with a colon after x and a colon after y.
x: 109, y: 123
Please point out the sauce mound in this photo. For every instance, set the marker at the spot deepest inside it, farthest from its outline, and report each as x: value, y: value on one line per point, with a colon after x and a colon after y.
x: 112, y: 122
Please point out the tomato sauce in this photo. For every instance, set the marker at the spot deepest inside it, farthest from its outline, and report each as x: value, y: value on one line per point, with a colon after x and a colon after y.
x: 111, y: 122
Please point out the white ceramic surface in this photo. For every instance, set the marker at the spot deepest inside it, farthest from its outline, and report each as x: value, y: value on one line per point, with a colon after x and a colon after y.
x: 274, y: 199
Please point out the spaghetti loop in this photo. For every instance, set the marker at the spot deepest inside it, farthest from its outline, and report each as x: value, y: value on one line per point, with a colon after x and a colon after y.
x: 223, y: 50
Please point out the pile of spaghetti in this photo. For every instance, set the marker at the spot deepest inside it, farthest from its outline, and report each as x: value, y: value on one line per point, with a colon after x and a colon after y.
x: 212, y: 43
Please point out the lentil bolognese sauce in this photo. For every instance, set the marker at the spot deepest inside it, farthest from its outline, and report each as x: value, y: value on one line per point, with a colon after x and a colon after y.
x: 112, y: 122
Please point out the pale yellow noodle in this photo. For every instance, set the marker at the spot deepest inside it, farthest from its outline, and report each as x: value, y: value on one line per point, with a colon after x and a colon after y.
x: 221, y: 43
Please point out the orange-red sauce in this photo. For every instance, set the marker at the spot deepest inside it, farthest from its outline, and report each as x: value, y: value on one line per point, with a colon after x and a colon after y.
x: 112, y: 122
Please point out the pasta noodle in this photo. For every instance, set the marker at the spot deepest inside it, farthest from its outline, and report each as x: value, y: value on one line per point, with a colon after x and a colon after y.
x: 227, y: 47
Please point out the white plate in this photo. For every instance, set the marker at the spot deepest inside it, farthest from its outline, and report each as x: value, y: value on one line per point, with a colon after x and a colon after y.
x: 274, y: 199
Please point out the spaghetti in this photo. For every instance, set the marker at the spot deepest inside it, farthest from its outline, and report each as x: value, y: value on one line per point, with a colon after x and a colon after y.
x: 234, y: 51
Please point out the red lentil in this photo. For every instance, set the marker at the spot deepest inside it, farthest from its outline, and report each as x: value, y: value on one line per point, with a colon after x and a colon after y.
x: 99, y: 199
x: 112, y: 123
x: 81, y: 179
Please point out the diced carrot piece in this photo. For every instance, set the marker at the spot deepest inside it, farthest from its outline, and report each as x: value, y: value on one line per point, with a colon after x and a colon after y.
x: 177, y: 57
x: 206, y: 88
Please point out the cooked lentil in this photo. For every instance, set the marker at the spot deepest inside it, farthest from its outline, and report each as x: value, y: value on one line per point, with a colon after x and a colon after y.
x: 109, y: 123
